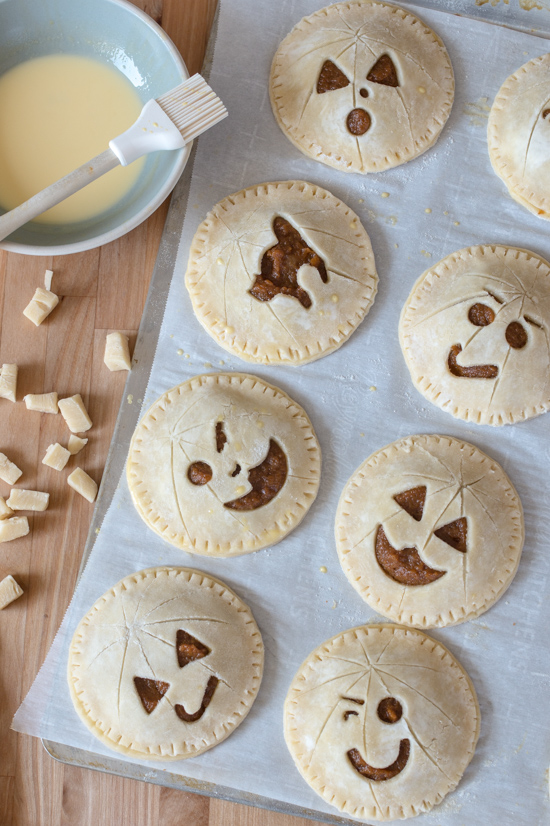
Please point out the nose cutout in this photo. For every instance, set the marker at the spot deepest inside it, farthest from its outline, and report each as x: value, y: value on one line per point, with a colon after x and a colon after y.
x: 358, y: 121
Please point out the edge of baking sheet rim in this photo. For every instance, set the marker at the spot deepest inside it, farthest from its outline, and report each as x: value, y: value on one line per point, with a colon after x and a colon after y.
x: 127, y: 419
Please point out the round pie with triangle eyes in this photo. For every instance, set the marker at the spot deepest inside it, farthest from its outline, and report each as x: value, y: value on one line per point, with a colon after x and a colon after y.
x: 166, y: 664
x: 362, y: 86
x: 429, y: 531
x: 381, y: 721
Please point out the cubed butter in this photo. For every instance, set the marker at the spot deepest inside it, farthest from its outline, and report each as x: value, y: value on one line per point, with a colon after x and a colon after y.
x: 42, y: 402
x: 8, y: 382
x: 28, y: 500
x: 56, y: 456
x: 117, y: 353
x: 9, y: 472
x: 13, y: 528
x: 75, y: 414
x: 9, y: 591
x: 4, y: 510
x: 76, y: 444
x: 83, y: 484
x: 41, y: 305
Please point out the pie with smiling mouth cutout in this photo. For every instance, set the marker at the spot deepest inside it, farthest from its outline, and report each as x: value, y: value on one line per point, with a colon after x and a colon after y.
x: 223, y: 464
x: 429, y: 531
x: 381, y: 722
x: 166, y: 664
x: 475, y: 333
x: 362, y: 86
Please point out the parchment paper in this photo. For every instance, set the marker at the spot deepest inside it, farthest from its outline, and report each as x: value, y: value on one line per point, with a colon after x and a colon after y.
x: 359, y: 399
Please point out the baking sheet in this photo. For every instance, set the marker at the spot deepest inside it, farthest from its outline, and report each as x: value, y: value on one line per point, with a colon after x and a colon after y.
x: 506, y: 650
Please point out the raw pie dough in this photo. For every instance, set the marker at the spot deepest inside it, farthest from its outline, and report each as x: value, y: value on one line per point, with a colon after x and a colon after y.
x: 429, y: 531
x: 245, y: 239
x: 224, y: 464
x: 368, y: 67
x: 392, y: 702
x: 519, y: 135
x: 475, y: 334
x: 158, y: 647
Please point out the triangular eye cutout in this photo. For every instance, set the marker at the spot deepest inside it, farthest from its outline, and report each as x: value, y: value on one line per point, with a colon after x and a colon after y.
x: 331, y: 78
x: 150, y: 692
x: 412, y: 501
x: 384, y: 72
x: 454, y: 534
x: 189, y: 649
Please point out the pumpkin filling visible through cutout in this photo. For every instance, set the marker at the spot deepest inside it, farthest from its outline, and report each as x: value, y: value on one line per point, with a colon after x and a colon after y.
x: 412, y: 501
x: 150, y: 692
x: 477, y: 371
x: 266, y: 479
x: 207, y: 696
x: 404, y: 566
x: 280, y: 265
x: 199, y: 473
x: 331, y: 78
x: 188, y: 648
x: 385, y: 773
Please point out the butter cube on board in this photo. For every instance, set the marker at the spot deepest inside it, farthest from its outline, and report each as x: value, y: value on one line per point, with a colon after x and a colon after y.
x: 56, y: 456
x: 13, y: 528
x: 76, y: 444
x: 75, y: 414
x: 117, y: 353
x: 9, y: 591
x: 4, y: 510
x: 28, y: 500
x: 9, y: 472
x: 83, y: 484
x: 8, y: 382
x: 41, y: 305
x: 42, y: 402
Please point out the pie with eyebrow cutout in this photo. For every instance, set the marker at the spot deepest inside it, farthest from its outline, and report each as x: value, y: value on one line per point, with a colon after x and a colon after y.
x: 362, y: 86
x: 381, y: 721
x: 475, y: 334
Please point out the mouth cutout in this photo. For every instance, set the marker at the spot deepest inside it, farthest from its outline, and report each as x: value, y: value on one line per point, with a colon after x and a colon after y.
x: 404, y: 566
x: 477, y: 371
x: 386, y: 772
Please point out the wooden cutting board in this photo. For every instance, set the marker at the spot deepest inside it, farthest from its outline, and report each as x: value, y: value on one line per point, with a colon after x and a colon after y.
x: 101, y: 290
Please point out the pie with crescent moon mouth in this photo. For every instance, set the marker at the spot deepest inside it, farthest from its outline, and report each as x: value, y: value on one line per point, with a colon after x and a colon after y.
x: 223, y: 464
x: 429, y: 531
x: 362, y: 86
x: 381, y: 721
x: 166, y: 664
x: 475, y: 333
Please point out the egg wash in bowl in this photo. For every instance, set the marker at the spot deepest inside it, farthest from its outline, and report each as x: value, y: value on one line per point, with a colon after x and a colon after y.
x: 59, y: 111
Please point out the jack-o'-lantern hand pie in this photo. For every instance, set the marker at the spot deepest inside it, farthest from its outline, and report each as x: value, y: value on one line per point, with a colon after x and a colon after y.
x: 475, y: 333
x: 281, y: 273
x: 223, y: 464
x: 429, y: 531
x: 166, y: 664
x: 362, y: 86
x: 518, y: 135
x: 381, y: 721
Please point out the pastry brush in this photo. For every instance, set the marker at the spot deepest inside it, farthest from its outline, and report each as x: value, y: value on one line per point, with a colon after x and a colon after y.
x: 169, y: 122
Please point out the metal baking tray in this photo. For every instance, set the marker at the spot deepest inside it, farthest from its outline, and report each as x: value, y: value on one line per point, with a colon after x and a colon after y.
x: 516, y: 17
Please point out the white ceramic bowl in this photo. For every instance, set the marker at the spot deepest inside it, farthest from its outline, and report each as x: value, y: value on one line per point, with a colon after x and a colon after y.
x: 116, y: 33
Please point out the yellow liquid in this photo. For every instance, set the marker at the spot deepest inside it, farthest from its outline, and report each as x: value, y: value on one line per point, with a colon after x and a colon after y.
x: 57, y: 113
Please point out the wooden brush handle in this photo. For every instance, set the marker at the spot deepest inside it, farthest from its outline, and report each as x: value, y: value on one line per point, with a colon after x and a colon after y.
x: 57, y: 192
